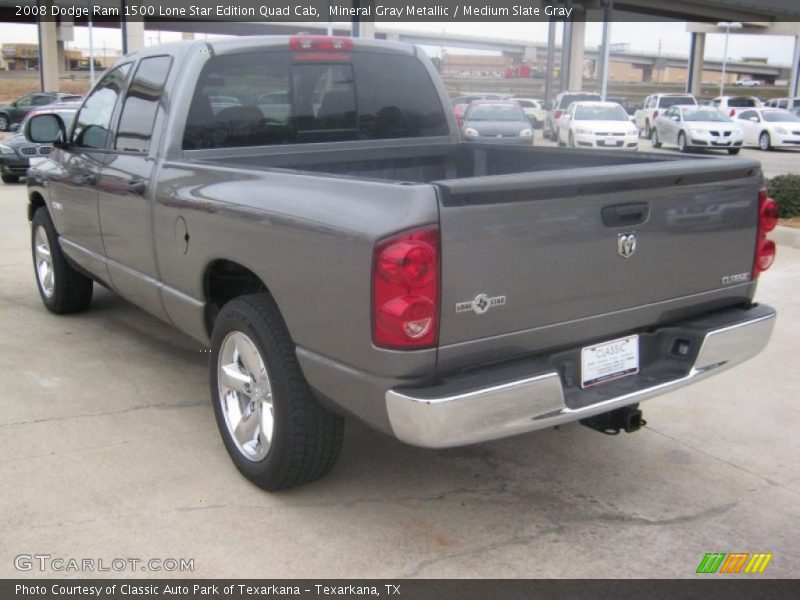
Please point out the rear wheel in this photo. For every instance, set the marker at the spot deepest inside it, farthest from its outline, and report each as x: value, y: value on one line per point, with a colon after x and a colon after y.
x: 655, y: 140
x: 10, y: 178
x: 682, y: 145
x: 275, y: 431
x: 62, y: 288
x: 764, y: 141
x: 571, y: 140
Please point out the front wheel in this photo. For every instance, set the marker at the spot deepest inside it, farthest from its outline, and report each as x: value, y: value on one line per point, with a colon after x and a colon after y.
x: 10, y: 178
x: 682, y: 145
x: 62, y: 288
x: 275, y: 431
x: 733, y: 151
x: 764, y: 141
x: 655, y: 140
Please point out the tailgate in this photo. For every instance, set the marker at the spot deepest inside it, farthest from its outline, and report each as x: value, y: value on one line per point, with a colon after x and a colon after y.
x: 538, y: 260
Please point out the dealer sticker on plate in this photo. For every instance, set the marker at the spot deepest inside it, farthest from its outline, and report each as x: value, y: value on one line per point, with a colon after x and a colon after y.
x: 609, y: 360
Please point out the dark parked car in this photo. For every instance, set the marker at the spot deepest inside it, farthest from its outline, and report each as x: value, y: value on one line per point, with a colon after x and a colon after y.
x: 16, y: 111
x: 500, y: 121
x: 16, y: 152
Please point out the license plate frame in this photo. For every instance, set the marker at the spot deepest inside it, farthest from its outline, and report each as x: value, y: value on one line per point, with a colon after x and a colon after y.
x: 610, y: 360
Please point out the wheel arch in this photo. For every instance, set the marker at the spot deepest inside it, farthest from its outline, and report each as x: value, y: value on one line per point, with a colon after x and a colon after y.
x: 35, y: 202
x: 223, y: 281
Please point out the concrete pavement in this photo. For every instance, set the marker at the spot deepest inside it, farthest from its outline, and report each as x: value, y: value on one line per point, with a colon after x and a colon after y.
x: 108, y: 448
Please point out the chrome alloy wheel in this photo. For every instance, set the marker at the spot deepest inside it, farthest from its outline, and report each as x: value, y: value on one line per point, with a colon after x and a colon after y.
x: 44, y: 262
x: 245, y: 395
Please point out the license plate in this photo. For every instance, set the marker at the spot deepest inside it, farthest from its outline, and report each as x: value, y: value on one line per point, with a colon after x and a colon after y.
x: 609, y: 360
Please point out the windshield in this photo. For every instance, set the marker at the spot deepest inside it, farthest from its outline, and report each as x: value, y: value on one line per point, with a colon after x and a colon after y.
x: 600, y: 113
x: 780, y: 117
x: 742, y: 102
x: 568, y: 99
x: 705, y: 115
x: 667, y: 101
x: 495, y: 112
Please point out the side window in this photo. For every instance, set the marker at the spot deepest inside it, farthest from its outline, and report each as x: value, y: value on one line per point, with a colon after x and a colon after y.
x: 25, y: 101
x: 94, y: 118
x: 783, y: 104
x: 717, y: 101
x: 141, y: 104
x: 41, y: 100
x: 745, y: 115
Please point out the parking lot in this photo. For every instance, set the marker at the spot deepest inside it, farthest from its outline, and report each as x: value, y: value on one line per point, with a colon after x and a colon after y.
x: 109, y: 448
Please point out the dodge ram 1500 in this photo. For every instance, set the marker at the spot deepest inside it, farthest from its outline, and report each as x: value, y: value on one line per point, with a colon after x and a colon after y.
x: 304, y: 206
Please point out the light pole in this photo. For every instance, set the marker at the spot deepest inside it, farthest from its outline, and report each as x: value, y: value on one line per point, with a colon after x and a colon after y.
x: 727, y: 26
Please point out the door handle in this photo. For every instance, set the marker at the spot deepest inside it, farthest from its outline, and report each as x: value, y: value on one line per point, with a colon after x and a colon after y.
x: 625, y: 215
x: 137, y: 186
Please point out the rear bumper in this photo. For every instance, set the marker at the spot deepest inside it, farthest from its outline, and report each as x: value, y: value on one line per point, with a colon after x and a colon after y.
x: 477, y: 408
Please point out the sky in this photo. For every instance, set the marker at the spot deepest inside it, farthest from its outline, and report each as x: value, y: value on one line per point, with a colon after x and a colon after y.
x: 672, y: 37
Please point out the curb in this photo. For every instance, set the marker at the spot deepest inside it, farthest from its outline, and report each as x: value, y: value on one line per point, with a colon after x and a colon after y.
x: 786, y: 236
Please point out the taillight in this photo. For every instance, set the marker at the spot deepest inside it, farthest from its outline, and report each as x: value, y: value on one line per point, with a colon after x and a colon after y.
x: 733, y: 112
x: 767, y: 220
x: 558, y: 114
x: 655, y: 114
x: 320, y: 43
x: 767, y: 212
x: 405, y: 290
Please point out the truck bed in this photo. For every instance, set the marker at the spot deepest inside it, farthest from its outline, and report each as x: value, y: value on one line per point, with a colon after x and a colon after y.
x: 402, y: 163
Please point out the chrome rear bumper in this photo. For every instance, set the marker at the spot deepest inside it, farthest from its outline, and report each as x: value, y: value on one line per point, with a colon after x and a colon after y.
x: 538, y: 401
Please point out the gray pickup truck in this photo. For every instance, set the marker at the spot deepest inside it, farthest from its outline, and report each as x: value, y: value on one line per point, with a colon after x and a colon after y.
x: 304, y: 207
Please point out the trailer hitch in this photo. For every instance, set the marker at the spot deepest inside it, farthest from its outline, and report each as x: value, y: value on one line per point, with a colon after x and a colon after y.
x: 627, y: 418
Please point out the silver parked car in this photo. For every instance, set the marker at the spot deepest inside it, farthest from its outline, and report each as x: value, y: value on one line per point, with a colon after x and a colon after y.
x: 689, y: 127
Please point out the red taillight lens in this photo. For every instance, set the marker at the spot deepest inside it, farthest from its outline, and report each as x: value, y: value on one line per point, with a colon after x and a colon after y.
x: 319, y: 42
x: 558, y: 114
x: 733, y: 112
x: 405, y: 290
x: 765, y: 255
x: 655, y: 114
x: 767, y: 220
x: 767, y: 212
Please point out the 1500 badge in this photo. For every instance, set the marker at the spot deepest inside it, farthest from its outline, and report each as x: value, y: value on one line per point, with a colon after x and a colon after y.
x: 480, y: 304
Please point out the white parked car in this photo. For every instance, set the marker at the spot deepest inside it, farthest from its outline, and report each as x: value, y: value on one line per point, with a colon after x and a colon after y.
x: 730, y: 105
x: 689, y: 127
x: 787, y: 103
x: 747, y: 82
x: 534, y: 110
x: 559, y: 106
x: 654, y: 106
x: 770, y: 128
x: 597, y: 125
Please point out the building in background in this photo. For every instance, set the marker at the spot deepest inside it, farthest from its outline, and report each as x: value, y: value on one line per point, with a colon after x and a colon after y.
x: 25, y: 57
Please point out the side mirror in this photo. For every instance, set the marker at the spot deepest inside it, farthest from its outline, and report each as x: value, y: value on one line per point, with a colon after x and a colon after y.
x: 46, y: 129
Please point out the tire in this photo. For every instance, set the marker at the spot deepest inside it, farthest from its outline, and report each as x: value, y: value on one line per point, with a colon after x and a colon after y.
x: 733, y: 151
x: 10, y: 178
x: 682, y: 145
x: 648, y: 131
x: 558, y: 140
x: 292, y: 439
x: 5, y: 122
x: 571, y: 140
x: 764, y: 141
x: 654, y: 139
x: 63, y: 289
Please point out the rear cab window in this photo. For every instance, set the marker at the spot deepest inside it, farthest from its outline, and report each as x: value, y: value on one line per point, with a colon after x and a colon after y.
x: 279, y: 97
x: 667, y: 101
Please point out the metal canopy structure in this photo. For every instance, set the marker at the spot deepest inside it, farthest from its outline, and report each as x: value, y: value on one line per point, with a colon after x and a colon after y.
x: 766, y: 17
